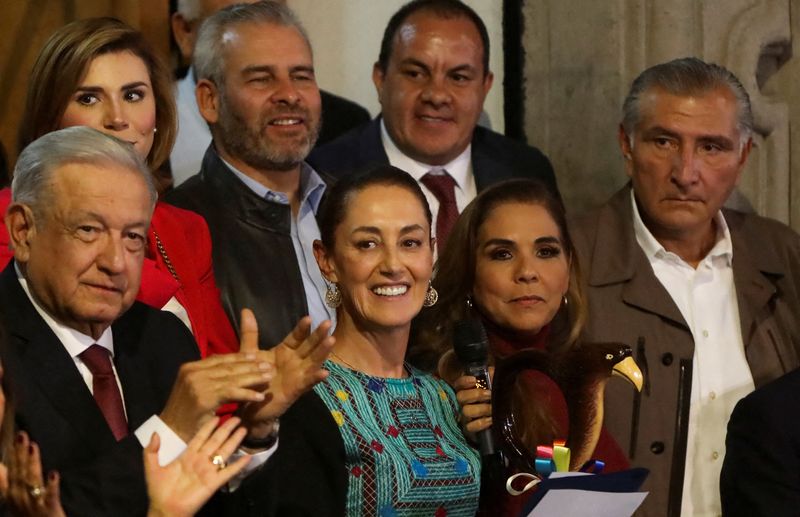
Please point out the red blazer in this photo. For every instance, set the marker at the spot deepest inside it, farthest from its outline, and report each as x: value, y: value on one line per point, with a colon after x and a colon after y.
x: 187, y: 243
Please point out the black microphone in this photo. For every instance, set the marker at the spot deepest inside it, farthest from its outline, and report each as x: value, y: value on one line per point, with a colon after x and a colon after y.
x: 472, y: 349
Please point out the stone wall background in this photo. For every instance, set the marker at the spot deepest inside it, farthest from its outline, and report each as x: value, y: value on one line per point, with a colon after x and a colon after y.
x: 582, y: 55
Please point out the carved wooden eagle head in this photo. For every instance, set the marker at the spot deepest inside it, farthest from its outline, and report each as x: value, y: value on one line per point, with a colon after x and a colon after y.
x: 581, y: 374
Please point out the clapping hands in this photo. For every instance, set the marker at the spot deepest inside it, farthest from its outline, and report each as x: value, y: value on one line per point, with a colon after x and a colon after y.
x: 297, y: 365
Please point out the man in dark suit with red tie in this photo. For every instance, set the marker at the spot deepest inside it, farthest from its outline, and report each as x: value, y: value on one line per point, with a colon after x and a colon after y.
x: 93, y: 373
x: 432, y: 76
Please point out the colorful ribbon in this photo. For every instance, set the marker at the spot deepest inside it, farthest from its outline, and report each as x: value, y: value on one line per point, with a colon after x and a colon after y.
x: 557, y: 458
x: 548, y: 460
x: 552, y: 459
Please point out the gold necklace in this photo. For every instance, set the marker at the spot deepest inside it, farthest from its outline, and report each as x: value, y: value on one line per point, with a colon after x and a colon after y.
x: 340, y: 358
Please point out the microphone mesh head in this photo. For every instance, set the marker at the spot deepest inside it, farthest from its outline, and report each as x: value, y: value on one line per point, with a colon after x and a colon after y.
x: 469, y: 341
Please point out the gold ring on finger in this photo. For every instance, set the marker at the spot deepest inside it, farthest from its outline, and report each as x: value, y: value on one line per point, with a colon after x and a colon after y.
x: 36, y: 491
x: 219, y: 461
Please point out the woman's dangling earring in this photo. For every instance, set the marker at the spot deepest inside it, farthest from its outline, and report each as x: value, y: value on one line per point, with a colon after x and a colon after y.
x: 469, y: 302
x: 566, y: 300
x: 431, y: 296
x: 333, y: 297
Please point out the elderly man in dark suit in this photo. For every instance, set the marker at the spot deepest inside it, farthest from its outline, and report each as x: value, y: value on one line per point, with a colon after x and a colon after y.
x: 707, y: 297
x: 93, y: 373
x: 432, y: 77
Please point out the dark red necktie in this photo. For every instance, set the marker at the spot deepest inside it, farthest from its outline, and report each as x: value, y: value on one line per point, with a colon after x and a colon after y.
x: 443, y: 187
x: 106, y: 391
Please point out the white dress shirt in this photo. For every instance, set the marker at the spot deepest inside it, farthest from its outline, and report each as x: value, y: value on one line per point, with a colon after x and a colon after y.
x: 706, y: 297
x: 460, y: 169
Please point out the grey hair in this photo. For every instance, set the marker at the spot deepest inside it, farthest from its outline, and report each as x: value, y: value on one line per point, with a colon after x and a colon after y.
x: 687, y: 76
x: 208, y: 50
x: 78, y: 144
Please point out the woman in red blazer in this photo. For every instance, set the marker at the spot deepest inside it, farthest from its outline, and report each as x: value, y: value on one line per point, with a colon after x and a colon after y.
x: 101, y: 73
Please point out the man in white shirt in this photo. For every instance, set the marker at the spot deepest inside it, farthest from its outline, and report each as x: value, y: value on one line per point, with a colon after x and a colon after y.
x: 93, y: 373
x: 706, y: 297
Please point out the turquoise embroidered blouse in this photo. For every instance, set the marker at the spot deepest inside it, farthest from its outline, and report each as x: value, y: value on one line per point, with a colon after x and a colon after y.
x: 405, y: 452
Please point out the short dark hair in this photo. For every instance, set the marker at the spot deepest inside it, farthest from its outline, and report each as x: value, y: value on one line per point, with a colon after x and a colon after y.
x: 334, y: 207
x: 446, y: 9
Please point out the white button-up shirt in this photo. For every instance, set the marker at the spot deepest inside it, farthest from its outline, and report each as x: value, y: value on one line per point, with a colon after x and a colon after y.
x: 193, y: 135
x: 706, y: 297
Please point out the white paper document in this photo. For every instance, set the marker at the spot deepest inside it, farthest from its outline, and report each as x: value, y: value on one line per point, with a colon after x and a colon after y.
x: 580, y: 503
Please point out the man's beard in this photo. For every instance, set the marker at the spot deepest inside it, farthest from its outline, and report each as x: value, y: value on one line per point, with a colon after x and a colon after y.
x: 255, y: 148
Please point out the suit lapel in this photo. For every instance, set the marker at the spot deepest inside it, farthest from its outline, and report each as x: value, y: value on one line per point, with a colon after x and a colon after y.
x: 479, y: 165
x: 46, y: 363
x: 486, y: 169
x: 57, y: 376
x: 140, y: 397
x: 617, y: 258
x: 490, y: 165
x: 371, y: 148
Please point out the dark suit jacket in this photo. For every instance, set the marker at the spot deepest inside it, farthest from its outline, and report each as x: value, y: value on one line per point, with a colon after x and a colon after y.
x: 761, y: 472
x: 339, y: 116
x: 494, y: 157
x: 99, y: 476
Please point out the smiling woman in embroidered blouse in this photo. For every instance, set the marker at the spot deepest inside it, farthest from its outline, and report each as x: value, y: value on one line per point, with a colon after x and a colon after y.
x: 377, y: 437
x: 100, y: 73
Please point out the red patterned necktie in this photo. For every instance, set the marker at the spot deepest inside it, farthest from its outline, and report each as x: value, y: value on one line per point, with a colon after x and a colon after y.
x: 442, y: 185
x: 105, y: 389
